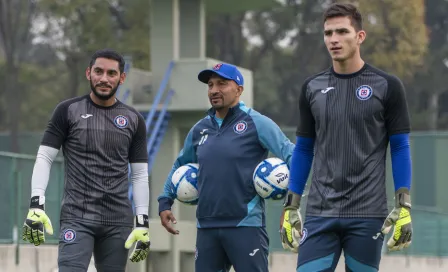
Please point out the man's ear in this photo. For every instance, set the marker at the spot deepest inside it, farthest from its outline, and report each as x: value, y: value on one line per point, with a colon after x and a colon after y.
x: 240, y: 90
x: 122, y: 77
x: 88, y: 73
x: 361, y: 36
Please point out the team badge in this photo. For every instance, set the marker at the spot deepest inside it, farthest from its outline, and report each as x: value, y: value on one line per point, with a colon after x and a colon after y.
x: 69, y: 235
x: 240, y: 127
x: 364, y: 92
x: 121, y: 121
x: 217, y: 66
x: 305, y: 234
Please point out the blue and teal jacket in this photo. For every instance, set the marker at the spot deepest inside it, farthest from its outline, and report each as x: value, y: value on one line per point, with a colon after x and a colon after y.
x: 227, y: 151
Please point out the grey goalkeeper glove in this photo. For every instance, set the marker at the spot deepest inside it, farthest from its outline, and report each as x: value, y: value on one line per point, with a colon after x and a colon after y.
x: 291, y: 223
x: 400, y: 220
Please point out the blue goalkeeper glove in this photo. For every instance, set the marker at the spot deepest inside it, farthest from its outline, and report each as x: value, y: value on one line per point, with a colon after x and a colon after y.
x: 139, y: 236
x: 37, y: 222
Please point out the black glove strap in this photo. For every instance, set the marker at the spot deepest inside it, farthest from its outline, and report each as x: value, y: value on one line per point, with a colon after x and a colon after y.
x: 402, y: 198
x: 292, y: 200
x: 37, y: 202
x: 142, y: 220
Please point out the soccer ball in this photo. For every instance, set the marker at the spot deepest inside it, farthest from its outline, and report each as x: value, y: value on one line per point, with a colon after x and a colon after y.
x: 184, y: 182
x: 271, y: 178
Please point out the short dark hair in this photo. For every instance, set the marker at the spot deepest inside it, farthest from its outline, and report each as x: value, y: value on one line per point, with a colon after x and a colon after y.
x: 108, y: 54
x: 345, y: 10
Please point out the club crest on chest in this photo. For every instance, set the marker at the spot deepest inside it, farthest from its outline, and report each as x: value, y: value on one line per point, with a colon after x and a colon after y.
x: 364, y: 92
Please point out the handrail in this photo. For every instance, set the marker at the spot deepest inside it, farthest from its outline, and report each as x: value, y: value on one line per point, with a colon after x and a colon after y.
x: 157, y: 126
x: 162, y: 113
x: 159, y: 94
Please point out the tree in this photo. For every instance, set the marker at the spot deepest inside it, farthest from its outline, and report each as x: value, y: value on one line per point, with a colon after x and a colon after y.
x: 78, y: 28
x: 394, y: 42
x: 430, y: 81
x: 15, y: 38
x: 289, y: 46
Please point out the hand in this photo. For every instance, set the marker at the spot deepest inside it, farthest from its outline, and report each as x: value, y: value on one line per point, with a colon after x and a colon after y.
x: 291, y: 223
x: 166, y: 218
x: 291, y: 230
x: 37, y: 223
x: 140, y: 235
x: 400, y: 219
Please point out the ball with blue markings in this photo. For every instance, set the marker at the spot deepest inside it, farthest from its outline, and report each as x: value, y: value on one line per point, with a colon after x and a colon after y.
x: 271, y: 179
x: 184, y: 181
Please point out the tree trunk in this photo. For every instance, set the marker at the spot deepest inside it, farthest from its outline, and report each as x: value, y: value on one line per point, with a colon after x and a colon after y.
x: 433, y: 108
x: 13, y: 95
x: 72, y: 63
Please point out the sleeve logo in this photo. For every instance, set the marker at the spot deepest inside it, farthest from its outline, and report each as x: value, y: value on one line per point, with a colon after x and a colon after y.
x: 364, y: 92
x: 240, y: 127
x: 121, y: 121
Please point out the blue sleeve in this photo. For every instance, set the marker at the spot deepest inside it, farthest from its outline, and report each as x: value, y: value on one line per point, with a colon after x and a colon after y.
x: 272, y: 137
x: 186, y: 155
x: 302, y: 159
x: 400, y: 153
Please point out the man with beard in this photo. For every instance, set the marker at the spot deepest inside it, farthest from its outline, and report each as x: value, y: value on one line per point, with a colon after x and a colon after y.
x: 99, y: 137
x: 348, y: 115
x: 228, y: 144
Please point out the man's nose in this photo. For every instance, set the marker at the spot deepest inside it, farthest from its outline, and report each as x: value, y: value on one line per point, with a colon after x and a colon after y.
x: 103, y: 78
x: 334, y: 40
x: 214, y: 90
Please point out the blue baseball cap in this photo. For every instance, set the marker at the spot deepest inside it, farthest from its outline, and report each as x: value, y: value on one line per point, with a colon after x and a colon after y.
x: 224, y: 70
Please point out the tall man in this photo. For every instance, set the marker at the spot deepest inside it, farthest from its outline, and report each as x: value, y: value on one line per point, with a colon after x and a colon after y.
x: 99, y: 136
x: 228, y: 144
x: 348, y: 115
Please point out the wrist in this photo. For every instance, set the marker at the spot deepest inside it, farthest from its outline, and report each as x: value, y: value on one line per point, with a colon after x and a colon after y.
x: 165, y: 203
x: 403, y: 198
x: 292, y: 200
x: 37, y: 202
x: 142, y: 221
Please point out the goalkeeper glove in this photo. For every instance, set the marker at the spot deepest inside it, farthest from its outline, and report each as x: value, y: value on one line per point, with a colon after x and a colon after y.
x: 400, y: 219
x: 291, y: 223
x: 139, y: 235
x: 37, y: 222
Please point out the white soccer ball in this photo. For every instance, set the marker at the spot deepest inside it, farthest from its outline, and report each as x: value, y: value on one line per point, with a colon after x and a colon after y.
x: 271, y: 179
x: 184, y: 182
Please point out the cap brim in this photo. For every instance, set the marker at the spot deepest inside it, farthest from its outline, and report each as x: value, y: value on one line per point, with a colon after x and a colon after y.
x: 205, y: 75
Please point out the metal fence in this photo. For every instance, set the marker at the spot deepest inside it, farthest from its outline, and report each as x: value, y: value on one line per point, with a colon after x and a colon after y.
x: 429, y: 191
x: 15, y: 192
x: 430, y: 230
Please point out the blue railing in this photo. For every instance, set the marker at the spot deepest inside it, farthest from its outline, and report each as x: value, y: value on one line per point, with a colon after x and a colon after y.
x: 162, y: 87
x: 159, y: 128
x: 156, y: 131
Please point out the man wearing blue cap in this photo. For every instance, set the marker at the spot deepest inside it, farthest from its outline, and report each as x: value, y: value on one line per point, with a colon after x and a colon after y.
x: 228, y: 144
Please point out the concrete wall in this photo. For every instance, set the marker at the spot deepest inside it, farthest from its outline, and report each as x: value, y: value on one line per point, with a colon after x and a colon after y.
x: 279, y: 262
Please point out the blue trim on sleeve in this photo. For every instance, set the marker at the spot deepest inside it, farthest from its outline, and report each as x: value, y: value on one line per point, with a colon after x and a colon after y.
x: 302, y: 159
x: 272, y: 137
x: 186, y: 155
x: 400, y: 152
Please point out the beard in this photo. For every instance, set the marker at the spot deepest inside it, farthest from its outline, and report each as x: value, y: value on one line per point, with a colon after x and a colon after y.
x: 103, y: 96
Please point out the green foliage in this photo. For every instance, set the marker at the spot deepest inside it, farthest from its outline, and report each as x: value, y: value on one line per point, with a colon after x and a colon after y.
x: 395, y: 42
